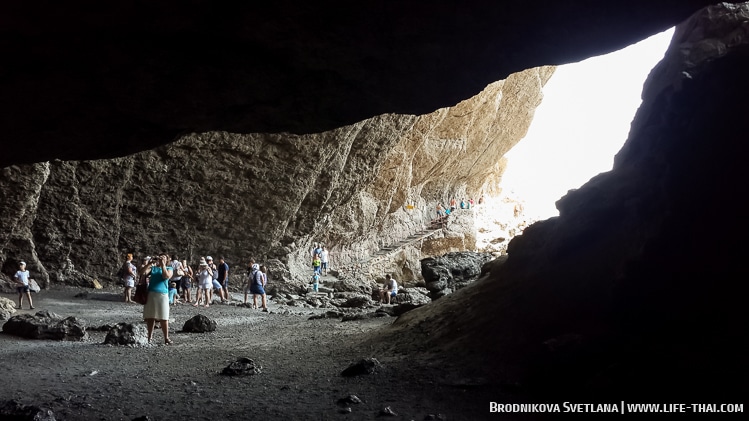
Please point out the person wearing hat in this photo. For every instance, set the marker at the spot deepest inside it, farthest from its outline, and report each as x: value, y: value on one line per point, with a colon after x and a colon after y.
x: 256, y: 282
x: 205, y: 282
x: 22, y: 281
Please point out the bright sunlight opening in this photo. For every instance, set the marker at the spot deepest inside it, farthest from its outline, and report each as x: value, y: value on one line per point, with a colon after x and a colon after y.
x: 580, y: 125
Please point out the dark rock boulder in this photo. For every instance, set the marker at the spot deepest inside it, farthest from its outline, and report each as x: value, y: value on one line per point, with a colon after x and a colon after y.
x: 452, y: 271
x: 359, y: 301
x: 361, y: 367
x: 16, y: 411
x: 414, y: 295
x: 199, y: 324
x: 46, y: 325
x: 126, y: 334
x: 241, y: 367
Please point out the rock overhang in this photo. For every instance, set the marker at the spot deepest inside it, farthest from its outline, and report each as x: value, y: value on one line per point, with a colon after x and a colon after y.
x: 86, y: 82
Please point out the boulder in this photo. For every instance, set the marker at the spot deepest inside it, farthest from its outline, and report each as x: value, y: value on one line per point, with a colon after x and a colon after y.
x: 452, y: 271
x: 46, y: 325
x: 7, y: 308
x: 241, y: 367
x: 14, y: 410
x: 415, y: 295
x: 359, y: 301
x: 199, y: 324
x: 361, y: 367
x: 126, y: 334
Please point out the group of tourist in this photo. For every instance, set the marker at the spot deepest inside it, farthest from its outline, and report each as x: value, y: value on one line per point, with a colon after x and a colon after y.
x: 320, y: 263
x: 170, y: 282
x: 442, y: 211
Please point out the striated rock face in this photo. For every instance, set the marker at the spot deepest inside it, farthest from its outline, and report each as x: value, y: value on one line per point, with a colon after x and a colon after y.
x: 632, y: 292
x: 262, y: 195
x: 98, y: 82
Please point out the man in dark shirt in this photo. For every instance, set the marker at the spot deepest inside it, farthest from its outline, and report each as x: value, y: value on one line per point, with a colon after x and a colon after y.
x: 223, y: 278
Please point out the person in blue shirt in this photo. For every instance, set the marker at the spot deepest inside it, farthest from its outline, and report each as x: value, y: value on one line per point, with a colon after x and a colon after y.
x: 173, y: 294
x: 157, y: 305
x: 315, y: 281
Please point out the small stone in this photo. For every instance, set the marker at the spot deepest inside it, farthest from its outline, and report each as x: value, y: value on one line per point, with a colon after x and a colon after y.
x: 387, y: 412
x: 348, y: 400
x: 345, y: 410
x: 365, y: 366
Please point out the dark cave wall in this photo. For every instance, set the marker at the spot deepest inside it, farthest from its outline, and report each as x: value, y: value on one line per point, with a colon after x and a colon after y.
x: 88, y: 80
x: 635, y: 291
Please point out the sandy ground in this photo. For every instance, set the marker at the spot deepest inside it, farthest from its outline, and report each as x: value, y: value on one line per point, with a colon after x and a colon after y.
x: 301, y: 361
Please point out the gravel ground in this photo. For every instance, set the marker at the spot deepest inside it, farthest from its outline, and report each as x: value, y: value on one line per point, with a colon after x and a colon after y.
x: 301, y: 362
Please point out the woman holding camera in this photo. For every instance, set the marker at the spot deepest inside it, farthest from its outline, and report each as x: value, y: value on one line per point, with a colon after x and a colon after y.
x: 157, y: 306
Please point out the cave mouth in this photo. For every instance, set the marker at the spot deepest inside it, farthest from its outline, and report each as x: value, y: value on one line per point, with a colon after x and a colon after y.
x: 582, y: 122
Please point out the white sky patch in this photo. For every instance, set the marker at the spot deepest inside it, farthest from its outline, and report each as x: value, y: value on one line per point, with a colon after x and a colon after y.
x: 580, y: 125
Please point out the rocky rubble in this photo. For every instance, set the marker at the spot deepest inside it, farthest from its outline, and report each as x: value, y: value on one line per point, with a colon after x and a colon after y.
x: 452, y: 271
x: 46, y: 325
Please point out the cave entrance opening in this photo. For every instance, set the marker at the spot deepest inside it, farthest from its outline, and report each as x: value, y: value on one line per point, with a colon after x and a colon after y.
x: 581, y: 124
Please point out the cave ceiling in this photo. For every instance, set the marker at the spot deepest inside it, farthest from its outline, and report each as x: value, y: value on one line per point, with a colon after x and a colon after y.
x: 90, y: 80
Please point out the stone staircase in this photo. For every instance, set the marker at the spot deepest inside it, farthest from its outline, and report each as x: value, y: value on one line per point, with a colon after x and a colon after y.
x: 363, y: 265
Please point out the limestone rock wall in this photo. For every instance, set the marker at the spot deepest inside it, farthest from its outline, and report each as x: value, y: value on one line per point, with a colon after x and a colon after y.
x: 260, y: 195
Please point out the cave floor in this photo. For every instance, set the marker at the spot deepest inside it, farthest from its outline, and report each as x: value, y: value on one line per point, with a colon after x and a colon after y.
x: 301, y: 362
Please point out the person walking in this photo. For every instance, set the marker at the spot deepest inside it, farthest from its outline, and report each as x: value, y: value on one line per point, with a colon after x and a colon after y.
x: 22, y: 285
x: 324, y: 259
x: 157, y: 305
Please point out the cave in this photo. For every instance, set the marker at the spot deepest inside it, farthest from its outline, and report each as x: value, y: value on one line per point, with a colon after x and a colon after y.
x: 349, y: 122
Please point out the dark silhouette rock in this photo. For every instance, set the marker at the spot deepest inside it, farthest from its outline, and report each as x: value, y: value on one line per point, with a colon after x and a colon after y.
x: 199, y: 324
x: 16, y: 411
x: 241, y: 367
x: 46, y: 325
x: 362, y: 367
x: 452, y: 271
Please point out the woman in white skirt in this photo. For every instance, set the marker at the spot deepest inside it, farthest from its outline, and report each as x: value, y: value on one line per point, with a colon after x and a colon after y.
x: 157, y: 306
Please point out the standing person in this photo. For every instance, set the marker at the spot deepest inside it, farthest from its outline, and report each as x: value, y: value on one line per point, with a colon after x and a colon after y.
x: 256, y: 287
x: 223, y: 278
x: 390, y: 289
x: 204, y: 282
x: 318, y: 249
x: 128, y: 277
x: 470, y: 203
x: 178, y: 270
x: 264, y: 271
x: 453, y: 204
x: 214, y: 280
x: 315, y: 282
x: 157, y: 306
x: 462, y: 203
x: 22, y: 285
x: 316, y: 264
x: 187, y: 281
x: 173, y: 297
x: 440, y: 210
x: 324, y: 258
